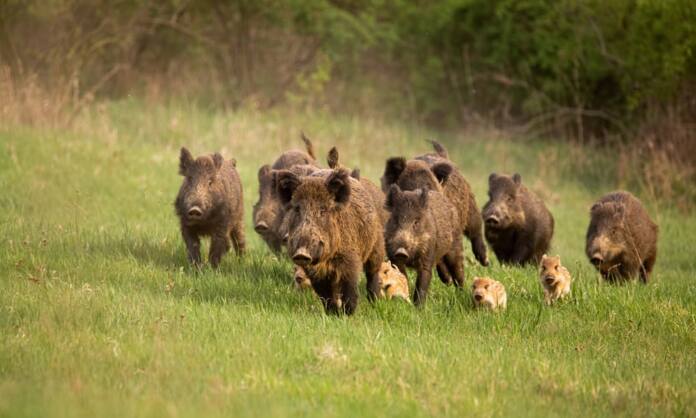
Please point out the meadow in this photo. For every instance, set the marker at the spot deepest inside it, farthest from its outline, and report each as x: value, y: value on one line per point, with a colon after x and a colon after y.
x: 100, y: 315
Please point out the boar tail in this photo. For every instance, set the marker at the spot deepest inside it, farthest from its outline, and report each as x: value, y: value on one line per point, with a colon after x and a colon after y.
x: 439, y: 149
x: 308, y: 144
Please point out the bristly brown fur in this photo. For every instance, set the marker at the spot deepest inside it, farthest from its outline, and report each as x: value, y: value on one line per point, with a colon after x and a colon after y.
x: 212, y: 187
x: 621, y: 238
x: 333, y: 230
x: 519, y: 227
x: 268, y: 213
x: 420, y: 234
x: 434, y: 171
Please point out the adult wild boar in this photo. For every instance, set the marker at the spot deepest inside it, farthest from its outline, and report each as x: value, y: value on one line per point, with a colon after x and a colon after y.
x: 621, y: 239
x: 434, y: 171
x: 333, y: 231
x: 210, y: 203
x: 267, y: 213
x: 420, y: 234
x: 519, y: 227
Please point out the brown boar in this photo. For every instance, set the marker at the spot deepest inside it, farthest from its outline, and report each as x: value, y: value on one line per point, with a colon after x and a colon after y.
x: 333, y: 231
x: 519, y: 227
x: 210, y: 203
x: 434, y: 171
x: 420, y: 234
x: 621, y: 239
x: 267, y: 212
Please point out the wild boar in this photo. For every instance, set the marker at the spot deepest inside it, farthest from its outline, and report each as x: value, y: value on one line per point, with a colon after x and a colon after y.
x: 333, y: 231
x: 519, y: 227
x: 210, y: 203
x: 267, y: 213
x: 420, y: 234
x: 621, y: 239
x: 434, y: 171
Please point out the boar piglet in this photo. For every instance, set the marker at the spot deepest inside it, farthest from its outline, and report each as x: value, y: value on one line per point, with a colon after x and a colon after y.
x: 210, y: 203
x: 268, y: 210
x: 333, y: 231
x: 518, y: 225
x: 422, y: 232
x: 621, y: 239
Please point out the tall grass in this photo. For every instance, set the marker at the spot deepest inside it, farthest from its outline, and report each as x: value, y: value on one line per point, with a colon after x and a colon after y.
x: 100, y: 314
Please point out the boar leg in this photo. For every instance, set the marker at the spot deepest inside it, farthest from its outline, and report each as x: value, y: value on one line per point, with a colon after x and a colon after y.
x: 521, y: 254
x: 237, y: 237
x: 219, y: 245
x: 349, y: 294
x: 425, y: 271
x: 454, y: 260
x: 474, y: 231
x: 193, y: 246
x: 444, y: 273
x: 371, y: 268
x: 646, y: 269
x: 324, y: 289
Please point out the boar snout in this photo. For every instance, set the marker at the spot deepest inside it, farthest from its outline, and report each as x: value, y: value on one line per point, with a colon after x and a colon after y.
x: 550, y: 280
x: 401, y: 254
x: 596, y: 259
x: 478, y: 297
x: 492, y: 220
x: 261, y: 227
x: 302, y: 257
x: 195, y: 212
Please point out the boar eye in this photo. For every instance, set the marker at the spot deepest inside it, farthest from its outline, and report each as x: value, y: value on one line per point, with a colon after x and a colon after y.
x: 485, y: 287
x: 210, y: 181
x: 510, y: 199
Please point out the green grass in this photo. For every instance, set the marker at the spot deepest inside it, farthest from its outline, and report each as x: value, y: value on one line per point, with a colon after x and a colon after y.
x: 101, y: 316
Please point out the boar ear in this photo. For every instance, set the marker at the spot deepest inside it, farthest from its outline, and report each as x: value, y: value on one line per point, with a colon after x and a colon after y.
x: 338, y: 184
x: 355, y: 173
x: 517, y: 178
x: 185, y: 161
x: 286, y: 183
x: 492, y: 177
x: 544, y: 257
x: 392, y: 197
x: 332, y: 159
x: 395, y: 166
x: 442, y: 171
x: 233, y: 161
x: 264, y: 171
x: 218, y: 160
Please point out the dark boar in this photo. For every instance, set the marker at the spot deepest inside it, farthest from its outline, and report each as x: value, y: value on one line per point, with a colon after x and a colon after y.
x: 267, y: 210
x: 210, y: 203
x: 434, y: 171
x: 333, y: 231
x: 519, y: 227
x: 420, y: 233
x: 621, y: 238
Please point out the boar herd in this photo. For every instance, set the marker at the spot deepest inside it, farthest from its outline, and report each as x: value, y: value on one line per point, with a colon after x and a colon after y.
x: 333, y: 224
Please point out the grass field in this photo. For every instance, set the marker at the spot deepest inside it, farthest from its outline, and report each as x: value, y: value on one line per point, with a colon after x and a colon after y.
x: 101, y: 316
